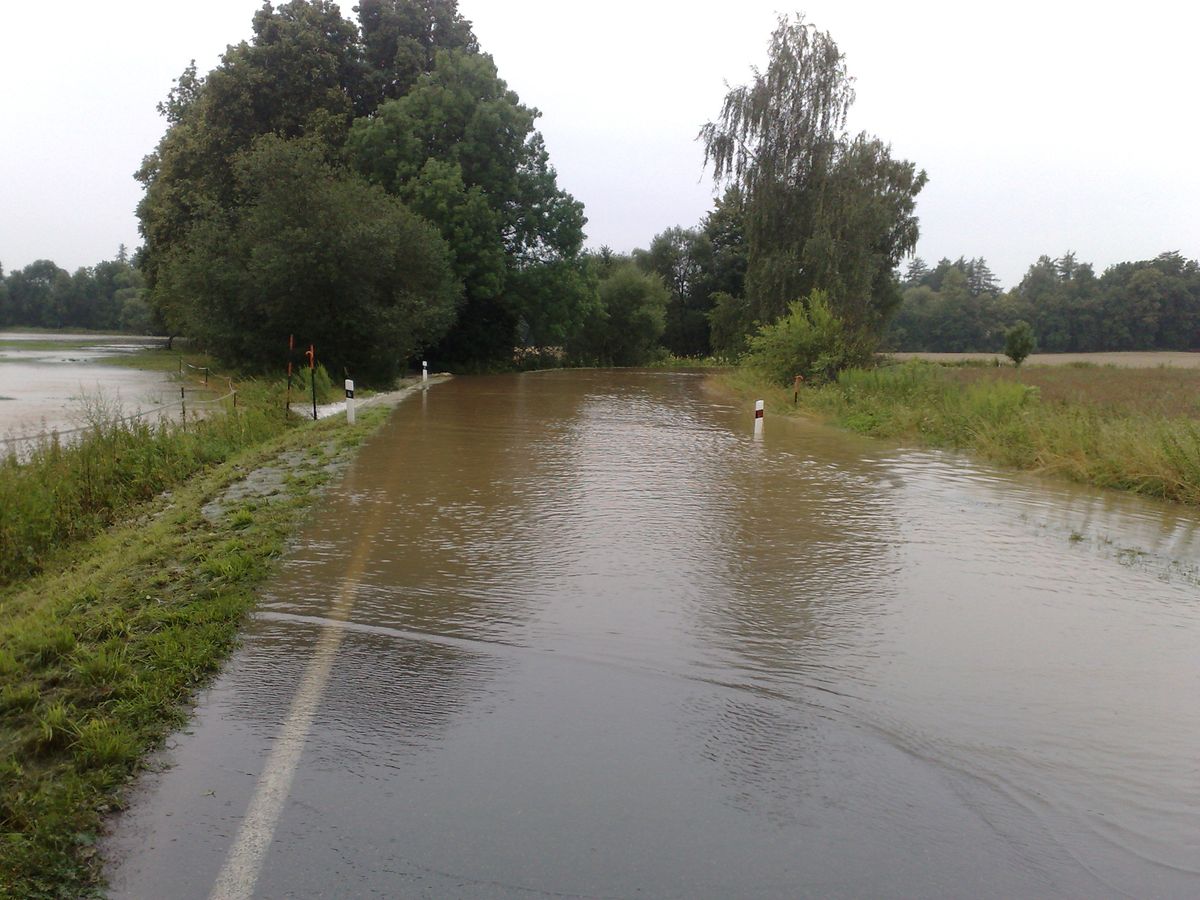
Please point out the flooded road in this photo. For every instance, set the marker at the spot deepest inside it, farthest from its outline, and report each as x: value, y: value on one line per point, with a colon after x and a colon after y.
x: 578, y: 634
x: 44, y: 387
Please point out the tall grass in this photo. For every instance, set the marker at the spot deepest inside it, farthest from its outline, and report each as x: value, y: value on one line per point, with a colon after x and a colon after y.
x: 57, y: 494
x: 1080, y: 434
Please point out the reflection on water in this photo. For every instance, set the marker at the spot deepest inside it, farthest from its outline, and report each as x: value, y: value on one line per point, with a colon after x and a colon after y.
x: 606, y: 644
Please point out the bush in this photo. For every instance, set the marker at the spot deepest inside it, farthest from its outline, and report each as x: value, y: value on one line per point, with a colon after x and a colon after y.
x: 625, y: 328
x: 301, y: 385
x: 1019, y: 342
x: 810, y: 341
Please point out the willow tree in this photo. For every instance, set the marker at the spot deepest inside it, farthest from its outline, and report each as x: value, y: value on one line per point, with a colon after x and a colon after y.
x: 823, y: 210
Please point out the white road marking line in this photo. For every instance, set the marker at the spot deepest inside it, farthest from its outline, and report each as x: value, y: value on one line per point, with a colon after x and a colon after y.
x: 241, y: 870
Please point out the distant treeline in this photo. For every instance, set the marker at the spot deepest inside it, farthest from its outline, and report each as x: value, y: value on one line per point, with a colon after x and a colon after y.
x: 958, y: 306
x: 108, y: 296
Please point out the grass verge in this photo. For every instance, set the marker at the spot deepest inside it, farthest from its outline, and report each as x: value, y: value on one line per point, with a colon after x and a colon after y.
x: 101, y: 652
x: 59, y: 493
x: 1133, y: 430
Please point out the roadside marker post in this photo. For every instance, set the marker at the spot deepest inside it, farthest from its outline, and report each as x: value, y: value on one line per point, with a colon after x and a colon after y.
x: 311, y: 353
x: 424, y: 370
x: 758, y: 418
x: 349, y: 402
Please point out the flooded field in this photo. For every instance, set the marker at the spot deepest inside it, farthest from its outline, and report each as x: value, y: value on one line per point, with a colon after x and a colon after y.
x: 580, y: 634
x: 47, y: 381
x: 1130, y: 359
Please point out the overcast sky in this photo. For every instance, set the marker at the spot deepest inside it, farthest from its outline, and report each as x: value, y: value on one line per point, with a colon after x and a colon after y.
x: 1044, y: 127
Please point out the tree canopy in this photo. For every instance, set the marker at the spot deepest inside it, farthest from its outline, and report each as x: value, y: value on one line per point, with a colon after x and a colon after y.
x: 1151, y: 304
x: 625, y: 327
x: 401, y: 112
x: 823, y: 210
x: 463, y: 150
x: 108, y: 296
x: 312, y: 252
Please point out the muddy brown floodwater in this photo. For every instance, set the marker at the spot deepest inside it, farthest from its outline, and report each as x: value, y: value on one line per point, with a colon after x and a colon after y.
x: 578, y: 634
x: 49, y: 389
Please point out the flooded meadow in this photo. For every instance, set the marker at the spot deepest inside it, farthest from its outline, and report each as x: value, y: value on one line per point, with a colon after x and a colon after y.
x: 52, y: 381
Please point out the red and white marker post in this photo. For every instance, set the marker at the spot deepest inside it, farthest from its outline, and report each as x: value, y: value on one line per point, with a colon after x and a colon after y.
x: 758, y: 418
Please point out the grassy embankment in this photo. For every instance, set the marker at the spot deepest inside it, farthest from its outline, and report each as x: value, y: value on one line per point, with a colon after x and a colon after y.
x: 1132, y: 429
x: 118, y: 597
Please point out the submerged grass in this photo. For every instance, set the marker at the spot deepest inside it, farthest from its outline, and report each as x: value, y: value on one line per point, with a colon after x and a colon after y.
x: 137, y: 600
x: 1135, y: 430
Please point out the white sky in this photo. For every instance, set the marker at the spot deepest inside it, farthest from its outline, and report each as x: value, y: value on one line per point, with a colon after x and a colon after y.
x: 1044, y: 127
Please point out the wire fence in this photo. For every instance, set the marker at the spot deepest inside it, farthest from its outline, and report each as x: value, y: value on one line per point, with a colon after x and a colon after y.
x: 183, y: 404
x: 204, y: 369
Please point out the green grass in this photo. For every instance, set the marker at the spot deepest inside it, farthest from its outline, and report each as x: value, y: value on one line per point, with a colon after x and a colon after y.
x: 62, y: 493
x: 34, y: 329
x: 1095, y: 426
x: 160, y: 359
x: 689, y: 362
x: 1160, y: 391
x: 101, y: 651
x: 45, y: 345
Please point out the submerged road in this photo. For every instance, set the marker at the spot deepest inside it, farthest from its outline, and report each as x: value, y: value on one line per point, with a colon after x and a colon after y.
x: 579, y: 634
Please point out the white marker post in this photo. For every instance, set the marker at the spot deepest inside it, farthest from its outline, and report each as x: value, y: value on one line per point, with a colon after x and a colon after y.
x: 349, y: 402
x: 758, y: 418
x: 424, y: 370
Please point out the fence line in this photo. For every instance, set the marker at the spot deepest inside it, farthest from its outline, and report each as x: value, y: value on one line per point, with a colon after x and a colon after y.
x: 55, y: 432
x: 203, y: 369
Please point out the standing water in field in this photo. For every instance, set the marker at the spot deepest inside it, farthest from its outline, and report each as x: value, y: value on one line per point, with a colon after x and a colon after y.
x: 598, y: 641
x: 48, y: 381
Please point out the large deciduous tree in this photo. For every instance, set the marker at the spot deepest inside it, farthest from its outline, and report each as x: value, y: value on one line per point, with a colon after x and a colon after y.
x: 409, y: 103
x: 401, y: 39
x: 36, y: 295
x: 462, y: 149
x: 823, y: 211
x: 316, y: 252
x: 698, y: 266
x: 297, y: 77
x: 682, y: 258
